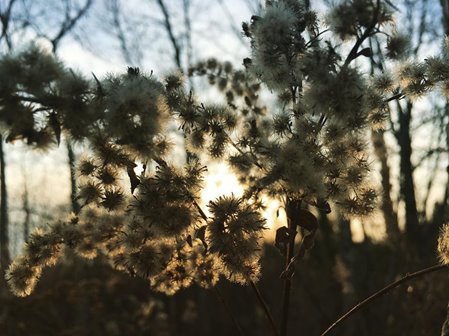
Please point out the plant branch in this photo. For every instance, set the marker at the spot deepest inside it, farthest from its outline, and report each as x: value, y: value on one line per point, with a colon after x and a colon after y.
x: 353, y: 54
x: 228, y: 310
x: 264, y: 307
x: 69, y: 23
x: 383, y: 291
x: 397, y: 96
x: 292, y: 206
x: 171, y: 35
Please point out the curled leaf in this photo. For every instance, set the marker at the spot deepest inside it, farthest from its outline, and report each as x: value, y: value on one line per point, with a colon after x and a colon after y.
x: 189, y: 240
x: 133, y: 179
x: 323, y: 206
x: 55, y: 125
x: 200, y: 234
x: 283, y: 237
x: 307, y: 220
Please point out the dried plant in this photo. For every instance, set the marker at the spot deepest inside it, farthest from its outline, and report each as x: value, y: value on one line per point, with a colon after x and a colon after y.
x: 141, y: 208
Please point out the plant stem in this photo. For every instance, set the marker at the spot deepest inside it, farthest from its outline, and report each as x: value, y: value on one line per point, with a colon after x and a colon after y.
x: 265, y: 308
x: 287, y: 288
x: 292, y: 207
x: 353, y: 54
x: 383, y: 291
x: 229, y: 311
x: 397, y: 96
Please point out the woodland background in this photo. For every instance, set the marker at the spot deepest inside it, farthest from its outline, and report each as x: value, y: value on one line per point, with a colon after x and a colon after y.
x: 349, y: 261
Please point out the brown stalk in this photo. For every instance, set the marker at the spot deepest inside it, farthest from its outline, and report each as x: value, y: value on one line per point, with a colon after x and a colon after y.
x: 383, y: 291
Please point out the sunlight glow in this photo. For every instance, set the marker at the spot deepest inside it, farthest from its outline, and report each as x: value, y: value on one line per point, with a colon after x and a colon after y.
x: 219, y: 181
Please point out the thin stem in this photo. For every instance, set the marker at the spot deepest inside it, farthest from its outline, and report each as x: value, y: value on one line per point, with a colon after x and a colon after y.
x: 287, y: 288
x: 353, y: 54
x: 229, y: 311
x: 200, y: 210
x: 292, y: 207
x: 383, y: 291
x: 399, y: 95
x: 308, y: 44
x: 264, y: 307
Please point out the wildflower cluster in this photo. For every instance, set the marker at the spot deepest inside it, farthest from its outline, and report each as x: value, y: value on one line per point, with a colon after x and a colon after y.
x: 234, y: 233
x: 157, y: 234
x: 143, y: 213
x: 349, y: 15
x: 144, y: 220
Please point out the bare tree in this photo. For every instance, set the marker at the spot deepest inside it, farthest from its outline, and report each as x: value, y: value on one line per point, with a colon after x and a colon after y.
x: 17, y: 18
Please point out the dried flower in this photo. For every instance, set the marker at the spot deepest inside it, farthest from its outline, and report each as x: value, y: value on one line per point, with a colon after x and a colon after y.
x: 443, y: 244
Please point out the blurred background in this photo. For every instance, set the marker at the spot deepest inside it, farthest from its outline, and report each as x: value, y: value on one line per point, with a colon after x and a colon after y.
x: 350, y: 260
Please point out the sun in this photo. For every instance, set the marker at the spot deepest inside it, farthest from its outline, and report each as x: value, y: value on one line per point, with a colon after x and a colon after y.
x: 220, y: 181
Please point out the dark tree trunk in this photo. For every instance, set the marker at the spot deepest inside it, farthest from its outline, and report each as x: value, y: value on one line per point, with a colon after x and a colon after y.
x: 346, y: 268
x: 4, y: 237
x: 27, y: 211
x: 390, y: 216
x: 407, y: 187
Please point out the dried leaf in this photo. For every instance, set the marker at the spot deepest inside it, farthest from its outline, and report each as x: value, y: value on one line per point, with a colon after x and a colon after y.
x: 189, y: 240
x: 134, y: 180
x: 307, y: 220
x: 200, y: 234
x: 308, y: 241
x: 323, y: 206
x: 283, y: 236
x: 55, y: 125
x: 100, y: 91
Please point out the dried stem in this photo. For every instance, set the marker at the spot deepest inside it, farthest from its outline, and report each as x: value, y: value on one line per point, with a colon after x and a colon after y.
x: 383, y: 291
x: 287, y: 288
x: 265, y: 308
x: 292, y: 206
x: 353, y: 54
x: 228, y: 310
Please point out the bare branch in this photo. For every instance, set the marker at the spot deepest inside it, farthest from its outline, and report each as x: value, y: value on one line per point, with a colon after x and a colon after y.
x: 115, y: 10
x: 383, y: 291
x: 169, y: 28
x: 69, y: 23
x: 5, y: 19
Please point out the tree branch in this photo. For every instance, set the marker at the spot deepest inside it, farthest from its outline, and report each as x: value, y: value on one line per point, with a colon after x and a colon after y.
x: 383, y: 291
x: 171, y: 35
x: 69, y: 23
x: 353, y: 54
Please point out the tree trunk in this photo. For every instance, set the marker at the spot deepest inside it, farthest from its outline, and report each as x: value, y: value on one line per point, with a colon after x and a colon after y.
x: 26, y: 210
x: 390, y: 216
x: 407, y: 187
x: 4, y: 237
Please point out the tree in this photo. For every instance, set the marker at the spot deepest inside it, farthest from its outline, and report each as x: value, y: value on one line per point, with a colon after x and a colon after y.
x: 18, y: 19
x: 309, y: 151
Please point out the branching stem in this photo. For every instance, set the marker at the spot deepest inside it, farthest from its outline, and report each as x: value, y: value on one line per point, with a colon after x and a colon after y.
x: 383, y: 291
x: 265, y: 308
x: 292, y: 206
x: 229, y: 311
